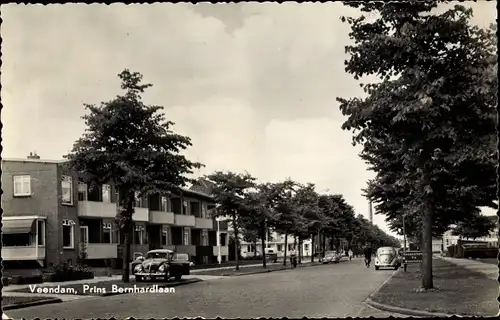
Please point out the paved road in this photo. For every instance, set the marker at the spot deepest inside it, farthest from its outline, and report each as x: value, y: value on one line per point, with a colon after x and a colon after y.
x: 321, y: 291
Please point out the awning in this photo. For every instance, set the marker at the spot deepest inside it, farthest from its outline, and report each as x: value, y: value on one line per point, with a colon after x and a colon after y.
x: 18, y: 226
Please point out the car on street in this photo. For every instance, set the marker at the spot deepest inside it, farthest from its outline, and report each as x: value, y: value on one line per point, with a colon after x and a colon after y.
x: 271, y: 255
x: 387, y: 257
x: 331, y: 257
x: 162, y: 263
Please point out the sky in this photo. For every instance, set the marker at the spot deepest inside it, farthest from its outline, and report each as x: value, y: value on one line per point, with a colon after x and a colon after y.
x: 253, y: 85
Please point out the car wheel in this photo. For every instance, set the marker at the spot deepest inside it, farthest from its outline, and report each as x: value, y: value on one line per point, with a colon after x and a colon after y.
x: 376, y: 268
x: 396, y: 267
x: 138, y: 278
x: 167, y: 275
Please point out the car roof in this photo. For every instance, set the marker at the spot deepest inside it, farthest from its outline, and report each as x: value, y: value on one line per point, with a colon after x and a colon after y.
x: 160, y: 251
x: 386, y: 248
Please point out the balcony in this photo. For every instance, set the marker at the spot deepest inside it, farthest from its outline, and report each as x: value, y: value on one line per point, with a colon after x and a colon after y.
x: 102, y: 251
x: 160, y: 217
x: 184, y: 220
x: 203, y: 223
x: 23, y: 253
x: 191, y: 250
x: 96, y: 209
x: 141, y: 214
x: 224, y: 250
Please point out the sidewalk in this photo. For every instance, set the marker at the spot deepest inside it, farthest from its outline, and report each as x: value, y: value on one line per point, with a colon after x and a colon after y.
x: 490, y: 270
x: 460, y: 288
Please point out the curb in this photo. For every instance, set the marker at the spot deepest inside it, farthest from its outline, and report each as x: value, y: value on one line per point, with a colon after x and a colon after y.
x: 409, y: 312
x: 164, y: 285
x: 270, y: 270
x: 32, y: 304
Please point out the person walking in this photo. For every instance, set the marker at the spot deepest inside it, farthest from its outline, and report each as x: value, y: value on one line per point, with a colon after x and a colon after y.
x: 350, y: 254
x: 367, y: 250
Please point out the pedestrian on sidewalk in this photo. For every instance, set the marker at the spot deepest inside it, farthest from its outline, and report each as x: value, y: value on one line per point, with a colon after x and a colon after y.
x: 350, y: 254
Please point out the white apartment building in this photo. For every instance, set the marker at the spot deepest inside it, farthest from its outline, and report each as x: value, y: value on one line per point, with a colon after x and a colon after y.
x: 277, y: 243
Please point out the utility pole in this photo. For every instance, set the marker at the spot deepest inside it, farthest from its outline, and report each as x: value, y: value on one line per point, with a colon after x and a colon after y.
x: 371, y: 213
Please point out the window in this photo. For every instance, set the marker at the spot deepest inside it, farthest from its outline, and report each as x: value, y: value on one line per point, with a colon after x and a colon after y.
x: 164, y: 204
x: 186, y: 237
x: 139, y: 235
x: 223, y: 239
x: 68, y: 234
x: 106, y: 193
x: 280, y: 247
x: 17, y: 240
x: 82, y: 191
x: 290, y: 247
x: 306, y: 246
x: 164, y: 237
x: 203, y: 211
x: 138, y: 199
x: 67, y: 190
x: 41, y: 232
x: 106, y: 233
x: 22, y: 186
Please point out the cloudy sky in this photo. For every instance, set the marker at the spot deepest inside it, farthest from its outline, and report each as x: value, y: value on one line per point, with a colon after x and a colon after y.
x: 254, y: 85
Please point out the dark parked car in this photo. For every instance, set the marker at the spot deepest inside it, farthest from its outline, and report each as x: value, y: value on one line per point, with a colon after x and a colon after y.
x: 162, y: 263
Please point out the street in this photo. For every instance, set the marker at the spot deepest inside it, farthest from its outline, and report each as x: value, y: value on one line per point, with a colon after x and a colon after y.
x: 320, y: 291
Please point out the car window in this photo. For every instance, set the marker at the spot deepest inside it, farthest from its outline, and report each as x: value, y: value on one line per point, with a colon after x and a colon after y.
x: 157, y: 255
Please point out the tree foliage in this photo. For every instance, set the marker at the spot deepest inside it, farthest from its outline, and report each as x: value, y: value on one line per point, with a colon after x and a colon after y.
x: 427, y: 127
x: 229, y: 194
x: 476, y: 227
x: 132, y: 145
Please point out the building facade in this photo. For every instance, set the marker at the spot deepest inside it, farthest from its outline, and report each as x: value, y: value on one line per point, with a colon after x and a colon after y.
x: 50, y: 216
x: 276, y: 242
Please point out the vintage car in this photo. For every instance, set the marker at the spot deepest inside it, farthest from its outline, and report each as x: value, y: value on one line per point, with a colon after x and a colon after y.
x: 162, y: 263
x: 331, y: 257
x: 271, y: 255
x: 387, y: 257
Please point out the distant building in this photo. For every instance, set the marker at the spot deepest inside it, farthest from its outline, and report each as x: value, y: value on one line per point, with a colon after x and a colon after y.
x: 491, y: 239
x: 277, y: 243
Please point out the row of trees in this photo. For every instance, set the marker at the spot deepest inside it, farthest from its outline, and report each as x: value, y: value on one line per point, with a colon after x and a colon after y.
x: 254, y: 210
x: 427, y: 126
x: 132, y: 145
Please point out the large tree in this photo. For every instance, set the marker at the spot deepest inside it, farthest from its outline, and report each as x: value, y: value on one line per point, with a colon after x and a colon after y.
x: 229, y: 194
x: 132, y: 145
x: 427, y: 127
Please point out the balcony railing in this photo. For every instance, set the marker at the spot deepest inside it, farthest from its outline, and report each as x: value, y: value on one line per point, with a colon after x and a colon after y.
x: 141, y: 214
x: 203, y: 223
x: 96, y: 209
x: 160, y: 217
x: 23, y: 253
x: 224, y: 250
x: 184, y: 220
x: 102, y: 250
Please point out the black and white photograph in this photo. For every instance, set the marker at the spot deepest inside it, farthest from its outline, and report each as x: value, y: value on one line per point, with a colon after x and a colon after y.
x: 247, y: 160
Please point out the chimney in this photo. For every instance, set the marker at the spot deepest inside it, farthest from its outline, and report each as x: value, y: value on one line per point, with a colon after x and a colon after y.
x: 371, y: 213
x: 33, y: 156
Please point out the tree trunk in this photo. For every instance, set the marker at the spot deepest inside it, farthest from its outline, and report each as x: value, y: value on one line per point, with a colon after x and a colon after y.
x: 125, y: 209
x: 312, y: 248
x: 286, y: 246
x: 263, y: 238
x: 236, y: 243
x: 324, y: 246
x: 427, y: 281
